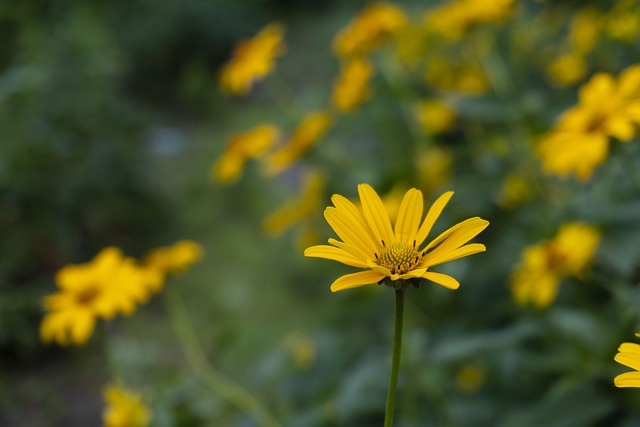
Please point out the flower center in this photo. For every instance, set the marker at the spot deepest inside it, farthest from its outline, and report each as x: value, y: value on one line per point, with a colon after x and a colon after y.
x: 399, y: 258
x: 554, y: 258
x: 86, y: 296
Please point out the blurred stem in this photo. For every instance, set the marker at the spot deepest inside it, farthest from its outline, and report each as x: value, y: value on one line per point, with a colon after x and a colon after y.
x: 216, y: 380
x: 395, y: 358
x: 114, y: 368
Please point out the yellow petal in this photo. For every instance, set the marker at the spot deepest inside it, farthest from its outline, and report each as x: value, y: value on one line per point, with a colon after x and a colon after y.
x: 459, y: 234
x: 628, y: 379
x: 441, y: 279
x: 355, y: 280
x: 376, y: 214
x: 409, y: 216
x: 348, y: 231
x: 347, y: 208
x: 335, y: 254
x: 439, y: 257
x: 434, y: 212
x: 82, y: 328
x: 632, y: 360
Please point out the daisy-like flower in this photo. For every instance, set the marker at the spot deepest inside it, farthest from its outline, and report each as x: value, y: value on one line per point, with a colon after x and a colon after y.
x: 124, y: 408
x: 608, y: 107
x: 546, y: 264
x: 629, y: 356
x: 241, y: 147
x: 395, y: 255
x: 174, y: 259
x: 370, y: 29
x: 352, y: 86
x: 252, y: 60
x: 309, y: 131
x: 109, y: 285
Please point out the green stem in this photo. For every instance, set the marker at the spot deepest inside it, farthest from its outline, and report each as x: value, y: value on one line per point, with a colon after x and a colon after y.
x: 197, y: 359
x: 395, y: 359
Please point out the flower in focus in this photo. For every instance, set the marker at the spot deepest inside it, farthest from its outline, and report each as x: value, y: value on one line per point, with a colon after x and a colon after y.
x: 546, y: 264
x: 252, y: 60
x: 370, y: 29
x: 435, y: 116
x: 242, y: 147
x: 109, y: 285
x: 174, y: 259
x: 309, y: 131
x: 394, y: 255
x: 629, y: 356
x: 608, y: 107
x: 454, y: 19
x: 352, y: 86
x: 124, y: 408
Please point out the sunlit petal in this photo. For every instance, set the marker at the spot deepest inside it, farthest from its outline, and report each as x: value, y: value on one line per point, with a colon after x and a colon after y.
x: 355, y: 280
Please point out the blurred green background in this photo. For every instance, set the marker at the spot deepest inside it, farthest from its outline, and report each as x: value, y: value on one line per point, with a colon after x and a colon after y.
x: 110, y: 119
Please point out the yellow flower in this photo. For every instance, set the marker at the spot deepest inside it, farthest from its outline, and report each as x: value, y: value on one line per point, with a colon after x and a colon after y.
x: 454, y: 19
x: 466, y: 78
x: 567, y: 69
x: 109, y: 285
x: 584, y: 31
x: 629, y: 356
x: 252, y: 60
x: 370, y: 29
x: 393, y: 255
x: 433, y: 168
x: 435, y: 116
x: 311, y: 129
x: 242, y: 147
x: 174, y: 259
x: 622, y: 22
x: 124, y: 408
x: 352, y: 86
x: 308, y: 203
x: 515, y: 190
x: 607, y: 107
x: 546, y: 264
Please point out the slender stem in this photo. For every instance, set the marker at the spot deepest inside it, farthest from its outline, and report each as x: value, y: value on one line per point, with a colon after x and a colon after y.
x: 395, y: 359
x: 216, y: 380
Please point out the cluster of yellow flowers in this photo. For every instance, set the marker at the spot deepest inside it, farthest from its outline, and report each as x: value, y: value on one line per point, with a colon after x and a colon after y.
x: 579, y: 142
x: 455, y: 18
x: 546, y: 264
x: 109, y: 285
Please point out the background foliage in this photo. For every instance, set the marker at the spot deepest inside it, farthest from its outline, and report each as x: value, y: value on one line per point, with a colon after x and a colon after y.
x: 111, y: 118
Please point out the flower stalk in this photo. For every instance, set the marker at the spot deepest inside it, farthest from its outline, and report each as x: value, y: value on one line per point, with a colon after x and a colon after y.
x: 395, y: 358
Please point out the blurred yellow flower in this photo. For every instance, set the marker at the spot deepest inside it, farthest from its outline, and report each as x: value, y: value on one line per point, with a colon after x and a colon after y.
x: 608, y: 107
x: 252, y: 60
x: 585, y: 30
x: 370, y: 29
x: 124, y: 408
x: 567, y: 69
x: 393, y: 255
x: 622, y: 22
x: 242, y: 147
x: 352, y: 86
x: 109, y: 285
x: 466, y: 78
x: 308, y: 203
x: 174, y: 259
x: 452, y: 20
x: 433, y: 168
x: 545, y: 264
x: 470, y: 378
x: 309, y: 131
x: 629, y: 356
x: 515, y: 190
x: 303, y: 349
x: 411, y: 45
x: 435, y: 116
